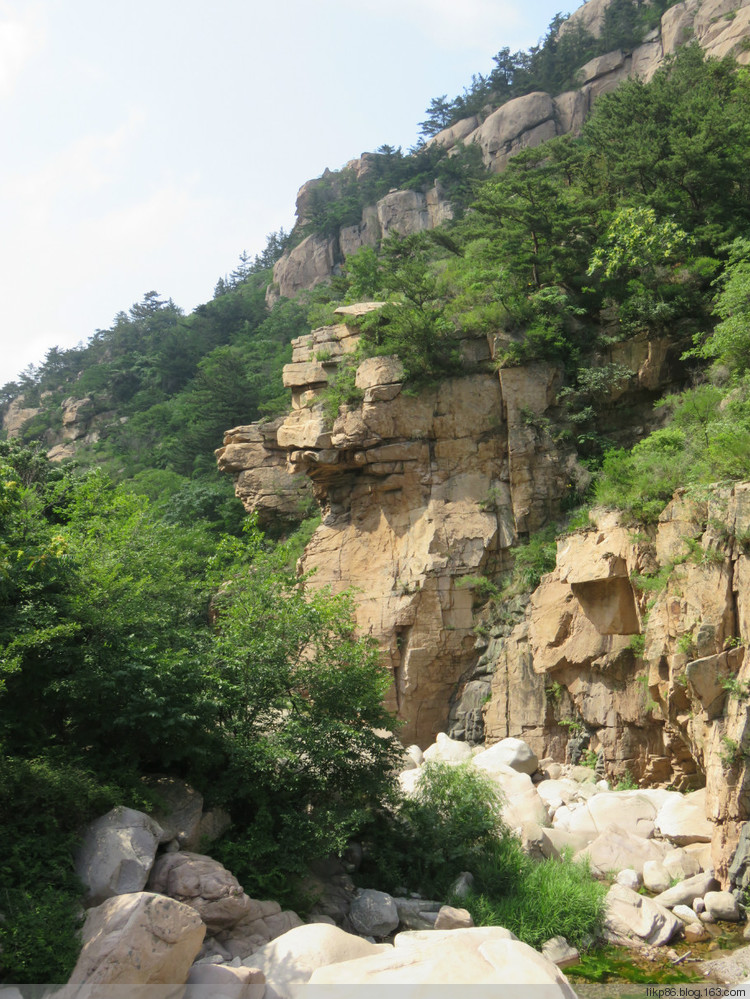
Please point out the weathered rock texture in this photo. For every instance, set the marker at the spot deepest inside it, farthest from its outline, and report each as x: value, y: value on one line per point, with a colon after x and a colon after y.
x: 637, y: 641
x: 420, y: 495
x: 720, y: 27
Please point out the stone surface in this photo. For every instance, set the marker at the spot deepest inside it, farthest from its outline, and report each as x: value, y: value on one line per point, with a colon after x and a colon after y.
x: 450, y: 918
x: 683, y: 819
x: 632, y: 916
x: 293, y: 957
x: 559, y: 952
x: 373, y: 913
x: 181, y: 813
x: 453, y: 960
x: 687, y: 891
x: 447, y: 750
x: 629, y: 878
x: 615, y: 850
x: 116, y: 853
x: 138, y: 939
x: 655, y: 876
x: 205, y: 885
x: 513, y: 753
x: 722, y: 905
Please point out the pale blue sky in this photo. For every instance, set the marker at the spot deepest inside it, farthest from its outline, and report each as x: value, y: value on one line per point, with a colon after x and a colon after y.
x: 146, y: 143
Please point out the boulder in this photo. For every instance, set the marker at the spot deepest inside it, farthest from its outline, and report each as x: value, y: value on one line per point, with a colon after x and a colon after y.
x: 216, y: 975
x: 629, y: 878
x: 373, y: 913
x: 180, y: 812
x: 138, y: 939
x: 512, y: 753
x: 203, y: 884
x: 449, y: 918
x: 688, y: 890
x: 291, y: 959
x: 655, y: 876
x: 416, y: 913
x: 682, y: 819
x: 116, y: 853
x: 455, y: 959
x: 686, y: 914
x: 680, y: 864
x: 631, y: 916
x: 559, y: 952
x: 447, y: 750
x: 722, y: 905
x: 632, y: 814
x: 615, y: 850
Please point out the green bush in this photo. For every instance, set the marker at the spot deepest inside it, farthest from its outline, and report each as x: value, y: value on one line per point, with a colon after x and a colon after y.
x: 453, y: 824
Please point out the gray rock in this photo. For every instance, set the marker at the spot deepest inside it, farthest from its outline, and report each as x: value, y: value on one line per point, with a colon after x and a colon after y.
x: 722, y: 905
x: 181, y: 811
x: 374, y: 913
x: 629, y: 879
x: 655, y: 876
x: 117, y: 853
x: 559, y: 951
x: 631, y: 916
x: 687, y: 891
x: 685, y: 913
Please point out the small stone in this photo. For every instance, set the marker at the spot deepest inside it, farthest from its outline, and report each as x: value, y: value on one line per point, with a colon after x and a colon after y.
x: 696, y: 932
x: 685, y: 913
x: 449, y: 918
x: 629, y: 879
x: 559, y: 951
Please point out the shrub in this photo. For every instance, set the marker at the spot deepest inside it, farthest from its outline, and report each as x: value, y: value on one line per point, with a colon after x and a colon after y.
x: 453, y: 824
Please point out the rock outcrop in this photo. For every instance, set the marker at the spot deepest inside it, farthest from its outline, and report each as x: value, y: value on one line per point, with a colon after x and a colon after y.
x: 720, y: 27
x: 637, y: 643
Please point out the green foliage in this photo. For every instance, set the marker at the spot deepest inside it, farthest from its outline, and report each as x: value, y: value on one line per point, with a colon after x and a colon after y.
x: 637, y: 645
x: 452, y: 824
x: 534, y: 558
x: 628, y: 782
x: 551, y: 897
x: 729, y: 343
x: 739, y: 691
x: 300, y: 702
x: 636, y: 241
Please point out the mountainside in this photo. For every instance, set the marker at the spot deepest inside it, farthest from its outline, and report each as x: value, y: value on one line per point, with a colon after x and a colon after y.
x: 720, y: 27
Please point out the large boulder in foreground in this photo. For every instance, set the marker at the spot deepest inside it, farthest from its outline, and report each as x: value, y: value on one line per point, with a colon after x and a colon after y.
x: 138, y: 939
x: 116, y: 853
x: 458, y: 957
x: 292, y: 958
x: 204, y: 884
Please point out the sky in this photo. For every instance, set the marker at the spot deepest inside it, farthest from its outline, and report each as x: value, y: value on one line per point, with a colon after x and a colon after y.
x: 144, y: 144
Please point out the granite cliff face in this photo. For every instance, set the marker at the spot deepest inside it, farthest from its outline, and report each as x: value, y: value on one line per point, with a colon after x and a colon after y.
x: 636, y: 644
x: 420, y: 495
x: 720, y: 27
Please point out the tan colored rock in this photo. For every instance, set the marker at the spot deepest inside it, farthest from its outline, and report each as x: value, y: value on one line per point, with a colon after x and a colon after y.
x: 453, y: 960
x: 450, y: 918
x: 138, y: 939
x: 616, y: 850
x: 521, y: 122
x: 631, y: 916
x: 309, y: 263
x: 292, y: 958
x: 204, y: 884
x: 448, y: 137
x: 683, y: 820
x: 16, y: 415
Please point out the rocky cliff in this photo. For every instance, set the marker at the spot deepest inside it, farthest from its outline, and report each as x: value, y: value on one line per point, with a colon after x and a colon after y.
x: 720, y: 27
x: 420, y: 494
x: 636, y: 646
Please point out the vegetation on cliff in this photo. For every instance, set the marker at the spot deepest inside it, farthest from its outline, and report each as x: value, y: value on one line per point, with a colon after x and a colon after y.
x: 111, y: 667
